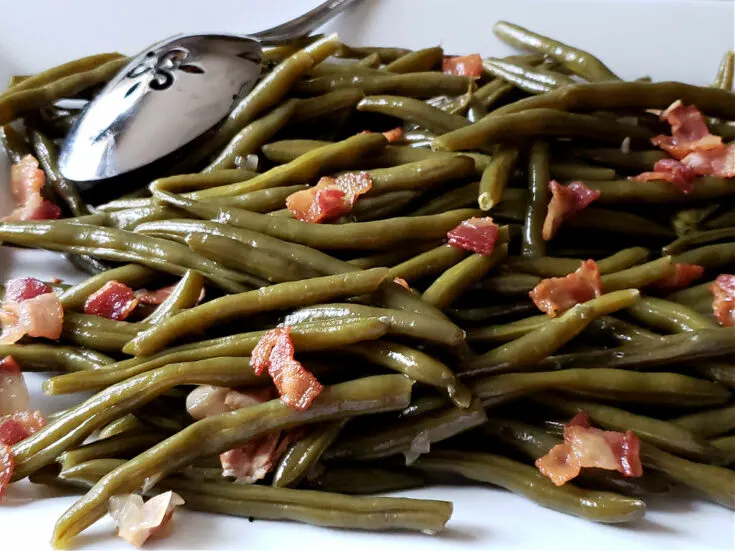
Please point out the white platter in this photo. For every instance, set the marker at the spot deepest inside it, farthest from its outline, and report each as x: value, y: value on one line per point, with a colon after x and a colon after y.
x: 666, y: 39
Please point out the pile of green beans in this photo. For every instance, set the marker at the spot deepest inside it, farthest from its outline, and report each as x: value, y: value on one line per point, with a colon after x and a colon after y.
x: 417, y: 380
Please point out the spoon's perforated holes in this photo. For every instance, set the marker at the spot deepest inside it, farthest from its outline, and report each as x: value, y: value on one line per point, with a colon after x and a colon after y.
x: 132, y: 89
x: 161, y: 81
x: 150, y: 54
x: 138, y: 70
x: 193, y: 69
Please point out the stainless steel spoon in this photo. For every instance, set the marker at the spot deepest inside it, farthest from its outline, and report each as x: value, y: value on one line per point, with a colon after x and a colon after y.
x: 169, y: 94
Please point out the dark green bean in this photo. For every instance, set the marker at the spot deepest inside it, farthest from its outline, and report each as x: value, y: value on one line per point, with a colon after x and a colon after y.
x: 695, y: 239
x: 615, y: 221
x: 457, y: 198
x: 534, y: 244
x: 529, y: 482
x: 428, y: 263
x: 634, y: 161
x: 627, y: 191
x: 415, y: 85
x: 709, y: 256
x: 13, y: 143
x: 387, y: 205
x: 417, y: 61
x: 495, y: 177
x: 391, y: 257
x: 366, y: 480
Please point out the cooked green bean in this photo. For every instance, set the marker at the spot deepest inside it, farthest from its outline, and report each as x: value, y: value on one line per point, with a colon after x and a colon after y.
x: 626, y: 191
x: 386, y: 55
x: 185, y: 294
x: 668, y: 316
x: 615, y: 221
x: 709, y: 256
x: 534, y: 80
x: 695, y: 239
x: 414, y: 85
x: 14, y: 143
x: 546, y: 266
x: 126, y: 424
x: 495, y: 177
x: 633, y: 161
x: 725, y: 71
x: 428, y: 263
x: 578, y: 61
x: 450, y: 285
x: 534, y: 244
x: 386, y: 205
x: 638, y: 276
x: 414, y: 364
x: 391, y: 257
x: 219, y: 433
x: 462, y: 197
x: 417, y: 61
x: 281, y: 295
x: 411, y: 436
x: 326, y: 104
x: 47, y: 357
x: 251, y: 138
x: 306, y: 336
x: 362, y: 480
x: 421, y: 175
x: 413, y: 110
x: 693, y: 295
x: 507, y: 331
x: 710, y: 423
x: 303, y: 454
x: 528, y: 481
x: 578, y: 171
x: 117, y: 446
x: 130, y: 274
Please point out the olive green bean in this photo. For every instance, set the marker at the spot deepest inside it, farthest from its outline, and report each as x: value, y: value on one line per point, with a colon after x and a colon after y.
x: 510, y: 284
x: 615, y: 221
x: 185, y: 294
x: 633, y: 161
x: 303, y: 454
x: 457, y: 198
x: 117, y: 446
x: 507, y: 331
x: 668, y: 316
x: 387, y: 205
x: 725, y: 71
x: 539, y: 343
x: 14, y: 143
x: 495, y: 177
x: 362, y: 480
x: 47, y: 357
x: 709, y: 423
x: 528, y: 481
x: 219, y: 433
x: 534, y: 244
x: 413, y: 110
x: 281, y: 295
x: 386, y: 55
x: 428, y: 263
x: 577, y: 171
x: 546, y: 266
x: 264, y: 200
x: 391, y: 257
x: 638, y: 276
x: 534, y: 80
x: 411, y: 436
x: 126, y: 424
x: 709, y: 256
x: 450, y: 285
x: 692, y: 295
x: 414, y: 85
x: 420, y: 175
x: 695, y: 239
x: 417, y: 61
x: 319, y: 106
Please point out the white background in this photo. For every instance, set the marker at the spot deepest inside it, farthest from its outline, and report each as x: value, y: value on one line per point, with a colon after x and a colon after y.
x: 665, y: 39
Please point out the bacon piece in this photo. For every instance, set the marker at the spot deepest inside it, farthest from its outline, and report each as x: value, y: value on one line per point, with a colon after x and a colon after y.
x: 13, y: 391
x: 402, y: 282
x: 274, y: 352
x: 40, y: 316
x: 115, y: 301
x: 394, y: 134
x: 23, y: 288
x: 26, y: 183
x: 556, y: 295
x: 672, y: 171
x: 465, y: 65
x: 330, y: 198
x: 138, y: 521
x: 585, y: 446
x: 681, y: 277
x: 7, y: 466
x: 723, y: 299
x: 689, y: 132
x: 713, y: 162
x: 19, y: 426
x: 154, y: 297
x: 565, y: 202
x: 475, y: 234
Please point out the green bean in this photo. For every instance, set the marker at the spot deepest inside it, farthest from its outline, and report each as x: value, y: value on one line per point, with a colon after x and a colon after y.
x: 366, y: 480
x: 399, y: 322
x: 46, y: 153
x: 725, y: 71
x: 126, y: 424
x: 219, y: 433
x: 420, y: 175
x: 690, y: 220
x: 510, y: 284
x: 668, y: 316
x: 72, y: 428
x: 414, y: 364
x: 72, y: 320
x: 285, y: 151
x: 529, y: 482
x: 428, y: 263
x: 536, y: 442
x: 725, y: 444
x: 608, y: 327
x: 609, y: 384
x: 47, y: 357
x: 615, y: 221
x: 131, y: 274
x: 392, y: 295
x: 495, y: 177
x: 576, y: 171
x: 378, y: 234
x: 15, y: 101
x: 414, y: 85
x: 709, y: 256
x: 534, y: 244
x: 391, y: 257
x: 534, y: 80
x: 709, y: 423
x: 578, y: 61
x: 413, y: 110
x: 695, y: 239
x: 546, y: 266
x: 411, y: 436
x: 305, y: 336
x: 264, y: 200
x: 693, y: 295
x: 387, y: 205
x: 417, y: 61
x: 251, y: 138
x: 450, y: 285
x: 654, y: 192
x: 722, y: 373
x: 634, y: 161
x: 386, y: 55
x: 281, y: 295
x: 539, y: 343
x: 716, y: 483
x: 663, y: 434
x: 117, y: 446
x: 496, y: 128
x: 185, y: 294
x: 13, y: 143
x: 492, y: 92
x: 327, y: 69
x: 638, y: 276
x: 303, y: 454
x: 484, y: 313
x: 319, y: 106
x: 456, y: 198
x: 507, y: 331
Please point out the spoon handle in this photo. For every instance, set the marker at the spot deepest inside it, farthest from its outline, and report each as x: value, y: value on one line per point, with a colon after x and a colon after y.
x: 302, y: 25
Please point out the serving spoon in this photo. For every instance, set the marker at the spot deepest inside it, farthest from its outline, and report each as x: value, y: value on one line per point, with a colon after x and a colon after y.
x: 169, y: 94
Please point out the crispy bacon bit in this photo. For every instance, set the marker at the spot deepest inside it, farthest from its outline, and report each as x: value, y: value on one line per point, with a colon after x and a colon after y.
x: 723, y: 301
x: 585, y: 446
x: 19, y: 426
x: 672, y: 171
x: 402, y: 282
x: 26, y: 183
x: 138, y: 521
x: 565, y: 202
x: 13, y: 391
x: 154, y: 297
x: 475, y: 234
x: 680, y: 277
x: 394, y: 134
x: 556, y: 295
x: 330, y: 198
x: 715, y: 162
x: 23, y: 288
x: 274, y: 352
x: 689, y: 132
x: 40, y: 316
x: 465, y: 65
x: 7, y: 465
x: 115, y: 301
